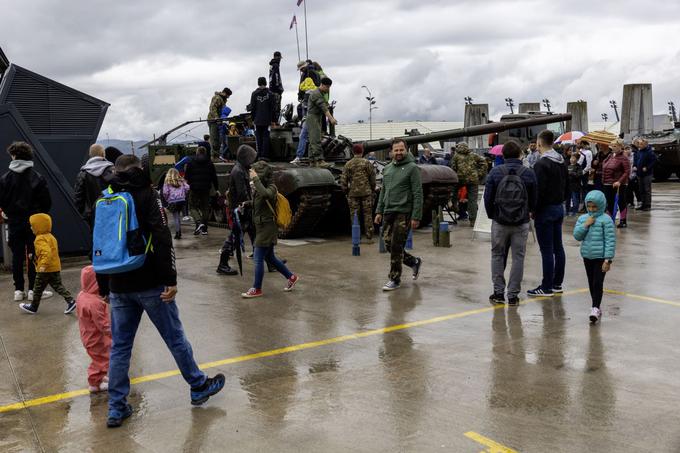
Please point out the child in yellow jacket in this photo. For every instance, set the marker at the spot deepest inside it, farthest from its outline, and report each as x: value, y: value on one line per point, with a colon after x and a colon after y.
x: 47, y: 265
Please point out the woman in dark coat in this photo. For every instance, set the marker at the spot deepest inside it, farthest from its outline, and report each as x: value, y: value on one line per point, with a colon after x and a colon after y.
x: 266, y: 230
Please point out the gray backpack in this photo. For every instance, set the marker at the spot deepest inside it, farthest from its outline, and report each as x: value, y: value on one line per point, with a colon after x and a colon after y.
x: 512, y: 200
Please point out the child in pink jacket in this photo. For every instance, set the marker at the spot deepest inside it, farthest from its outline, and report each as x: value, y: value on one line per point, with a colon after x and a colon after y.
x: 95, y: 330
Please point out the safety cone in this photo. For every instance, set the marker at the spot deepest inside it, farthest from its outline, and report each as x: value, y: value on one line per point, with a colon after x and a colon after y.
x: 409, y: 240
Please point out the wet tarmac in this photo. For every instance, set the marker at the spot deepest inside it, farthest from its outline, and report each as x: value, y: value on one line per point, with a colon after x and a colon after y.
x: 321, y: 369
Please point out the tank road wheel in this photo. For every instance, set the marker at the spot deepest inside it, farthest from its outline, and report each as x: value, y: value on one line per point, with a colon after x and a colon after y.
x: 309, y: 207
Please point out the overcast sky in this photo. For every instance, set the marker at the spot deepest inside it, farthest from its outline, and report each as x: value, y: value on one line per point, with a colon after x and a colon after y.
x: 159, y: 62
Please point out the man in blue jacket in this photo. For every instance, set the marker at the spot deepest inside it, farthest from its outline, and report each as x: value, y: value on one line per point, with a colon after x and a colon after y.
x: 509, y: 198
x: 646, y: 159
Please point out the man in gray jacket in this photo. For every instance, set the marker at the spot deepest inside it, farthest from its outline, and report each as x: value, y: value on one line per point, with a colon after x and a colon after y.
x: 94, y: 177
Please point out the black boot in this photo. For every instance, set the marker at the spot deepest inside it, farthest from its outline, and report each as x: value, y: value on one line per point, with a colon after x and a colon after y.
x: 223, y: 268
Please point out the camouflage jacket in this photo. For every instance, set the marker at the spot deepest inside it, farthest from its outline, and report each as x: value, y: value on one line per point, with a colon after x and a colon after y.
x: 358, y: 178
x: 216, y: 105
x: 470, y: 167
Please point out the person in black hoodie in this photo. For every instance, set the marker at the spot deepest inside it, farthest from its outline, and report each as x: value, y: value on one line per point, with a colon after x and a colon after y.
x: 275, y: 84
x: 262, y: 110
x: 553, y: 191
x: 23, y: 192
x: 201, y: 175
x: 93, y: 177
x: 151, y: 289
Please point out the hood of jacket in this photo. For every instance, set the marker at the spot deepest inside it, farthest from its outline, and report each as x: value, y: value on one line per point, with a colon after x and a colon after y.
x: 275, y: 62
x: 88, y: 281
x: 462, y: 148
x: 41, y: 223
x: 20, y: 166
x: 246, y: 155
x: 408, y: 158
x: 201, y: 159
x: 96, y: 166
x: 131, y: 179
x: 264, y: 172
x: 597, y: 197
x: 554, y: 156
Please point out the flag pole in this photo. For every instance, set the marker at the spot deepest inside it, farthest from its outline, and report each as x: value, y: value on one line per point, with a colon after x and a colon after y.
x: 306, y: 40
x: 298, y: 41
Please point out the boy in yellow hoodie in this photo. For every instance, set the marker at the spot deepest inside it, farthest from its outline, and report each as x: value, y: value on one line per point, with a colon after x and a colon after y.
x: 47, y: 265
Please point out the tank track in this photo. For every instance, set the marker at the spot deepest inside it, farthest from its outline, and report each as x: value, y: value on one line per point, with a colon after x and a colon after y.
x: 311, y: 207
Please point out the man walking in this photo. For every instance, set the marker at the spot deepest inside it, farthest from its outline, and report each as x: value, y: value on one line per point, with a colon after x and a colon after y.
x: 358, y: 183
x: 509, y: 199
x: 151, y: 289
x: 262, y: 111
x: 201, y: 175
x: 471, y: 169
x: 401, y: 204
x: 23, y: 192
x: 217, y: 103
x: 317, y: 106
x: 553, y: 190
x: 92, y: 179
x: 646, y: 159
x: 275, y: 84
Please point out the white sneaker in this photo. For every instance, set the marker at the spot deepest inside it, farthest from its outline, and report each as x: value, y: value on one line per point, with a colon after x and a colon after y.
x: 103, y: 387
x: 19, y: 296
x: 595, y: 315
x: 45, y: 295
x: 295, y: 161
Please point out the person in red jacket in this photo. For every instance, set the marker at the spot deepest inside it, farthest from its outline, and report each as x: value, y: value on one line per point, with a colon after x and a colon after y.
x: 615, y: 174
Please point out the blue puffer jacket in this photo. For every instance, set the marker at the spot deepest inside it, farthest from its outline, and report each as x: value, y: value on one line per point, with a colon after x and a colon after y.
x: 598, y: 241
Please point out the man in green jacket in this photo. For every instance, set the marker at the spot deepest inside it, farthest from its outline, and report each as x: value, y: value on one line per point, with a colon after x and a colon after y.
x: 401, y: 204
x: 317, y: 106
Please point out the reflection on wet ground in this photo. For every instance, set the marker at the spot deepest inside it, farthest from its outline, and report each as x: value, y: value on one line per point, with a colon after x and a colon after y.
x: 471, y: 377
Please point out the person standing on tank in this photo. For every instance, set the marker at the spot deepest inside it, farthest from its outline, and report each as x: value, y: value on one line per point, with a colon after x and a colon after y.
x: 201, y: 175
x: 275, y: 84
x: 553, y: 191
x: 217, y: 103
x: 358, y: 183
x: 317, y: 107
x: 400, y: 206
x: 471, y: 169
x: 262, y: 110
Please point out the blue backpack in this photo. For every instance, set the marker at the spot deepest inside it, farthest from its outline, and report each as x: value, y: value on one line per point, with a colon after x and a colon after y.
x: 118, y: 243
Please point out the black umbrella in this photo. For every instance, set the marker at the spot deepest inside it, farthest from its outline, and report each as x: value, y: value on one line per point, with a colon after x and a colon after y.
x: 237, y: 240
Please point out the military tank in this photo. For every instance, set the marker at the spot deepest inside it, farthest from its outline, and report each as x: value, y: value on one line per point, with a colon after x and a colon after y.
x: 317, y: 201
x: 666, y: 145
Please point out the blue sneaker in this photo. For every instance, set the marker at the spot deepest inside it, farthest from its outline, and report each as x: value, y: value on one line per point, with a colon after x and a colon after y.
x: 116, y: 417
x: 212, y: 386
x: 540, y: 292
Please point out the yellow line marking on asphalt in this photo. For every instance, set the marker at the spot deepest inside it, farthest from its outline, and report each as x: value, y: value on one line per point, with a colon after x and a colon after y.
x: 647, y: 298
x: 274, y: 352
x: 493, y: 446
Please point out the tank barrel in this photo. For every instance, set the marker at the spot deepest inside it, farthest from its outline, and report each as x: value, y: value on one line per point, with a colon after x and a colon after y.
x: 471, y: 131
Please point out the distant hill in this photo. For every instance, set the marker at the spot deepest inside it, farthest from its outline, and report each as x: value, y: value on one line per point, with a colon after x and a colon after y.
x: 125, y: 146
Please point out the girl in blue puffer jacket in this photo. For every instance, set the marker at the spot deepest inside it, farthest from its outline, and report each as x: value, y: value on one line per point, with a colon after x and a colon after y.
x: 595, y: 230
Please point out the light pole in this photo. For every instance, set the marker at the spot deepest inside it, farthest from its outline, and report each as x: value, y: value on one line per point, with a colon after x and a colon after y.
x: 613, y: 105
x: 605, y: 117
x: 468, y: 100
x: 371, y: 107
x: 672, y: 112
x: 510, y: 103
x: 546, y: 104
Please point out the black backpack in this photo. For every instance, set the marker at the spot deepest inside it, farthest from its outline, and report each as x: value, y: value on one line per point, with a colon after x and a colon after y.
x: 512, y: 199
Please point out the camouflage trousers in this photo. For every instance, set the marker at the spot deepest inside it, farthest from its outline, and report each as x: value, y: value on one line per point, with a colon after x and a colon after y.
x: 362, y: 206
x: 42, y: 279
x: 396, y: 226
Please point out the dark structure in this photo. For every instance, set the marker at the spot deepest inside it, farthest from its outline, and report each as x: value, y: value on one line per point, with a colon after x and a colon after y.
x: 60, y: 123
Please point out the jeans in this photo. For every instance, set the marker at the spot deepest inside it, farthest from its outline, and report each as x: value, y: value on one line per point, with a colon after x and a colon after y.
x: 595, y: 279
x: 548, y: 224
x: 262, y: 141
x: 263, y: 254
x: 21, y: 244
x: 503, y: 239
x: 302, y: 144
x: 126, y: 313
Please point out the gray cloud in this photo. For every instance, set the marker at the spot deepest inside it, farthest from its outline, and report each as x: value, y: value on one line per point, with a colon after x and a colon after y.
x: 158, y: 62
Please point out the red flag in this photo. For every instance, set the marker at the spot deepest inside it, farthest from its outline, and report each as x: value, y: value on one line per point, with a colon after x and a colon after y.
x: 300, y: 2
x: 292, y: 22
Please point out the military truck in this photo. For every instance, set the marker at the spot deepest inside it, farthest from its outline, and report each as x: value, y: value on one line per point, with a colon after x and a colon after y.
x: 319, y: 206
x: 526, y: 134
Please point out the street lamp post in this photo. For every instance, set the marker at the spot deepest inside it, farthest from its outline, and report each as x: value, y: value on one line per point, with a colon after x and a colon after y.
x: 510, y: 103
x: 468, y: 100
x: 546, y: 104
x: 672, y: 112
x: 605, y: 117
x: 371, y: 107
x: 613, y: 105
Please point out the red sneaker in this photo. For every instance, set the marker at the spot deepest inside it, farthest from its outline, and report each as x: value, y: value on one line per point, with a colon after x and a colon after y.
x: 291, y: 282
x: 252, y: 292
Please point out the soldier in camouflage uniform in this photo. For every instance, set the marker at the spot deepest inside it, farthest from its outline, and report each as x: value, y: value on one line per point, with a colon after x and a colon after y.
x: 358, y: 182
x: 217, y: 103
x: 317, y: 106
x: 471, y: 169
x: 401, y: 202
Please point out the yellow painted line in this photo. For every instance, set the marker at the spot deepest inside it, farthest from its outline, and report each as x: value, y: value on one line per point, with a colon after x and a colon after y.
x: 647, y: 298
x: 493, y: 446
x: 275, y: 352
